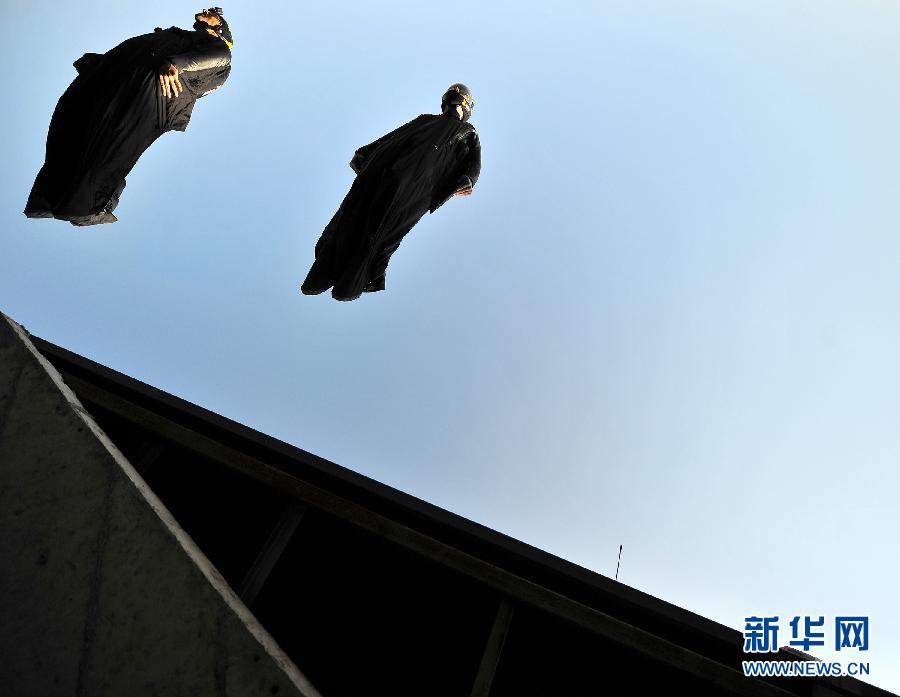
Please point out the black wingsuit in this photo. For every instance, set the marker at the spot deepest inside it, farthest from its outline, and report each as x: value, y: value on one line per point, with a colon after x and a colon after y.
x: 112, y: 112
x: 400, y: 177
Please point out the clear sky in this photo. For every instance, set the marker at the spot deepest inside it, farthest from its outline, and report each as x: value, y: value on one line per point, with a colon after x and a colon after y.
x: 667, y: 317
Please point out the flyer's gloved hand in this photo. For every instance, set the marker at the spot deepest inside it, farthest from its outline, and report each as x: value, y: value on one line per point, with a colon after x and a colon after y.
x: 465, y: 188
x: 169, y: 83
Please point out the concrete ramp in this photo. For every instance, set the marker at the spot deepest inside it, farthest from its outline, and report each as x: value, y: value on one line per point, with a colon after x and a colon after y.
x: 101, y: 591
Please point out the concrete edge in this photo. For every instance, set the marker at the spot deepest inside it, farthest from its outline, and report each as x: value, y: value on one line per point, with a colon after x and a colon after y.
x: 212, y: 575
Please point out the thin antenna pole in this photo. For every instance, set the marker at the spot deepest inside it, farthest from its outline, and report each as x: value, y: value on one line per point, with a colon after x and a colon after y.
x: 619, y: 562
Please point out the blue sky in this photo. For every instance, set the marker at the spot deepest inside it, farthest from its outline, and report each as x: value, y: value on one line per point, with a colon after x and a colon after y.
x: 665, y: 319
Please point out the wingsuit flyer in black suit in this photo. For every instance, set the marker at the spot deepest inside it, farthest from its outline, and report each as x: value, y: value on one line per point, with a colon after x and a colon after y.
x: 400, y: 177
x: 117, y: 106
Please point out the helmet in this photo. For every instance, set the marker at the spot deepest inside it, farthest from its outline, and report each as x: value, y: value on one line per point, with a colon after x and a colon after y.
x: 221, y: 29
x: 458, y: 95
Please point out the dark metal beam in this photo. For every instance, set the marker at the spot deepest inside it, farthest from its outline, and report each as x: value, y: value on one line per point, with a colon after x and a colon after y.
x: 271, y: 552
x: 493, y: 649
x: 147, y: 454
x: 655, y: 648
